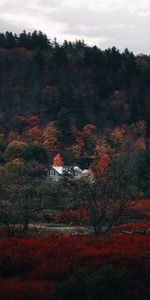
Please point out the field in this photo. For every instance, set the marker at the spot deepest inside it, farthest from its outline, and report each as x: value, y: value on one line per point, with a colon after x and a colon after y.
x: 84, y: 267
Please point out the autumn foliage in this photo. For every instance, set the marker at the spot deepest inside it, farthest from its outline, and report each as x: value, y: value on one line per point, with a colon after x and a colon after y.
x: 51, y: 136
x: 101, y: 167
x: 34, y: 269
x: 58, y: 162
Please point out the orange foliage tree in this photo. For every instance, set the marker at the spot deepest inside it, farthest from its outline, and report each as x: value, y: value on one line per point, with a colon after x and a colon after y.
x: 51, y: 138
x: 58, y: 162
x: 118, y: 135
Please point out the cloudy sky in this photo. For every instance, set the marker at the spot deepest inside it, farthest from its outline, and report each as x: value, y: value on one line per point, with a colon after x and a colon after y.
x: 105, y: 23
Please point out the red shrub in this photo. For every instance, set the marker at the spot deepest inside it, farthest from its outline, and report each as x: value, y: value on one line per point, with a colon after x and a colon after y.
x: 40, y: 263
x: 141, y: 206
x: 10, y: 289
x: 25, y: 290
x: 133, y: 227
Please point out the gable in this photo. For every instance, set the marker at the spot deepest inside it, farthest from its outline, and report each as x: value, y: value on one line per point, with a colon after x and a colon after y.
x: 53, y: 172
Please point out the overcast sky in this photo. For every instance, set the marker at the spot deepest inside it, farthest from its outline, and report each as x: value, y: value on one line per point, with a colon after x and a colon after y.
x: 105, y: 23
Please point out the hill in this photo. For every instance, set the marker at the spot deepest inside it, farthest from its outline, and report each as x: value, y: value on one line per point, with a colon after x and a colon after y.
x: 72, y: 83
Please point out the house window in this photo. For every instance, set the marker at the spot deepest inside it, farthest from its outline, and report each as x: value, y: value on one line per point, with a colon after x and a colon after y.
x: 52, y: 172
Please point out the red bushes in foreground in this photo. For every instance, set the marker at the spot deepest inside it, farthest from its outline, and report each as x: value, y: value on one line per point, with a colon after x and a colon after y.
x: 59, y: 254
x: 22, y: 290
x: 39, y: 265
x: 133, y: 228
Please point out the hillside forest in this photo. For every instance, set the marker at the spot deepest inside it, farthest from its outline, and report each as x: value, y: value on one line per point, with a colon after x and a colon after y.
x: 75, y: 100
x: 71, y: 105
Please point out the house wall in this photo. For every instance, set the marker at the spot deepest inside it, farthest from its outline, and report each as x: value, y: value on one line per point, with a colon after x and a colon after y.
x: 53, y: 175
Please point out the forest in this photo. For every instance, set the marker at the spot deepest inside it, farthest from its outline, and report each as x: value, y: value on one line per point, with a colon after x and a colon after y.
x: 72, y: 83
x: 75, y: 100
x: 73, y: 105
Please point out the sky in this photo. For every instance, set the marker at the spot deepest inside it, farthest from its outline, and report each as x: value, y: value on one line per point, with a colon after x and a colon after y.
x: 105, y: 23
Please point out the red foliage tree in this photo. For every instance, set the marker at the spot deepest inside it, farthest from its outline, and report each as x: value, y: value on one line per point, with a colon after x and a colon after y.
x: 58, y: 162
x: 34, y: 135
x: 101, y: 167
x: 34, y: 121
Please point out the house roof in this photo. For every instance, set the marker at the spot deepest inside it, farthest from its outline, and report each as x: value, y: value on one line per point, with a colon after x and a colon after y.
x: 67, y: 169
x: 78, y: 172
x: 59, y: 170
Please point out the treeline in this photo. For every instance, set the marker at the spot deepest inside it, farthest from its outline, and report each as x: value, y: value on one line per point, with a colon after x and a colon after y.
x: 8, y: 40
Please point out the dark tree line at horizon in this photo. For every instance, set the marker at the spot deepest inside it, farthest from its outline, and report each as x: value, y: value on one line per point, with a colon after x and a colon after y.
x: 8, y: 40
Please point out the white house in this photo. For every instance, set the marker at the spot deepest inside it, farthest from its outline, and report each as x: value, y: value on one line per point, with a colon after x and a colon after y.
x: 55, y: 173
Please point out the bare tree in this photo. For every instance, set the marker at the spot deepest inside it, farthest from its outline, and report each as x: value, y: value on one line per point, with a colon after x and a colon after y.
x: 106, y: 200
